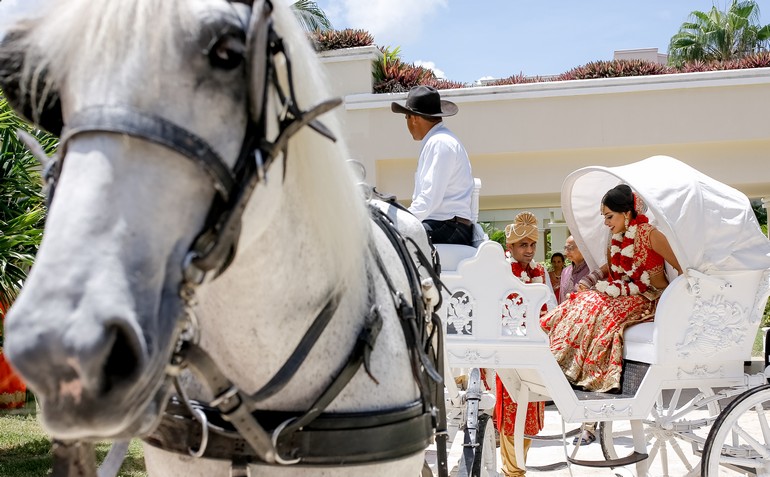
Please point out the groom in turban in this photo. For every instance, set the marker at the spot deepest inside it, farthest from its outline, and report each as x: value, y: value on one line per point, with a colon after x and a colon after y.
x: 521, y: 243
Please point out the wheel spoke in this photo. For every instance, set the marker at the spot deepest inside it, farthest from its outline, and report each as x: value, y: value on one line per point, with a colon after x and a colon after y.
x: 760, y: 448
x: 672, y: 404
x: 763, y: 423
x: 664, y: 458
x: 654, y: 451
x: 678, y: 449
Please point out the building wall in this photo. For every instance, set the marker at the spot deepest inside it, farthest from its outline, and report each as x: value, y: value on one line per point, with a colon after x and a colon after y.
x: 523, y: 140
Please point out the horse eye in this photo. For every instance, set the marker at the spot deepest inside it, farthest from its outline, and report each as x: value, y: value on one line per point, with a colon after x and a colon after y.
x: 227, y: 53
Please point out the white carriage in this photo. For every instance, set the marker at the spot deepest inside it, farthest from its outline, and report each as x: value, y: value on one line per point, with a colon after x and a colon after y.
x: 684, y: 379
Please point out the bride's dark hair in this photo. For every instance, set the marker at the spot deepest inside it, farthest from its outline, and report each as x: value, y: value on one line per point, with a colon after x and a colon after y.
x: 620, y: 199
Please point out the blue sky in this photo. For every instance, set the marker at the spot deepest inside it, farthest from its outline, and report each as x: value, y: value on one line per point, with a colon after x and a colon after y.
x: 465, y: 40
x: 471, y: 39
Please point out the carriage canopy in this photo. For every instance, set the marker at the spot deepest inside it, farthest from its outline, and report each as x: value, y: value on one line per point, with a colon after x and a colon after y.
x: 710, y: 226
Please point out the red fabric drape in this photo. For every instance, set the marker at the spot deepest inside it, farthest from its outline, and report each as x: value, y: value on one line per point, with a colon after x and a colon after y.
x: 13, y: 392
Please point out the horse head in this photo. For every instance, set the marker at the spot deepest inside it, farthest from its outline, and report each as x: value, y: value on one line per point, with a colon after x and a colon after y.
x: 98, y: 318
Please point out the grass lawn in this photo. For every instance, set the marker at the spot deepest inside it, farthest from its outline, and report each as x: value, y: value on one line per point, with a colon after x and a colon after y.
x: 25, y: 450
x: 757, y: 349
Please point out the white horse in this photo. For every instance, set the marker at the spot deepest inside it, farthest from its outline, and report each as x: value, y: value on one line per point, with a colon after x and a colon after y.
x: 96, y: 324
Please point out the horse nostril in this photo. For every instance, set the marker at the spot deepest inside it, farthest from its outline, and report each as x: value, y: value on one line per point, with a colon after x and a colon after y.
x: 123, y: 360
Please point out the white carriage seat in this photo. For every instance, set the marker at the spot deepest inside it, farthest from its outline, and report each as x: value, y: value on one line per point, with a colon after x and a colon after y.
x: 716, y: 324
x: 639, y: 340
x: 451, y: 254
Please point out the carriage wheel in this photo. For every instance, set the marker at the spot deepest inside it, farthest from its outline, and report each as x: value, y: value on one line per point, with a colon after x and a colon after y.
x: 740, y: 437
x: 485, y: 458
x: 679, y: 419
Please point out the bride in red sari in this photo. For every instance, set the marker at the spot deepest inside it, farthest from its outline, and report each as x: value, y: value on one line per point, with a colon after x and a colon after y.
x: 586, y: 330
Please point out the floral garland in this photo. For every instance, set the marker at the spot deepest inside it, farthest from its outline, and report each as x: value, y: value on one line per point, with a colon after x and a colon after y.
x: 520, y: 272
x: 632, y: 280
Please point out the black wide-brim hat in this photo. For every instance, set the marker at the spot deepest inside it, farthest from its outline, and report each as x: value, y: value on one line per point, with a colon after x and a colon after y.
x: 425, y: 101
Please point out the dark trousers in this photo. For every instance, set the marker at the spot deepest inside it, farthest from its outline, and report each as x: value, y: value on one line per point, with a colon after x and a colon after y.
x: 449, y: 231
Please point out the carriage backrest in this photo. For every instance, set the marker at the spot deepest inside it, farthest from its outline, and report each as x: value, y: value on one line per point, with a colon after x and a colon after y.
x: 475, y: 199
x: 480, y: 294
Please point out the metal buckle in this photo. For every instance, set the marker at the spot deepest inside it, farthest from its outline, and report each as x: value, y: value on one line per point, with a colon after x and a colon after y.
x: 192, y: 274
x: 274, y: 438
x: 224, y: 397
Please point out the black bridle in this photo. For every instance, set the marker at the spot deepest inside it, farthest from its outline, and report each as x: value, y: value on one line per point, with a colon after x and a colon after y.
x: 215, y: 245
x: 230, y: 427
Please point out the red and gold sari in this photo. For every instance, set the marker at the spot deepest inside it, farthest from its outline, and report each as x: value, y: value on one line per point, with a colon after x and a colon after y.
x: 586, y: 330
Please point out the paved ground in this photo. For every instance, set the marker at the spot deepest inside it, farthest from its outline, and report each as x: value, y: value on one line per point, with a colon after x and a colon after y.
x: 549, y: 452
x: 679, y: 458
x: 545, y: 453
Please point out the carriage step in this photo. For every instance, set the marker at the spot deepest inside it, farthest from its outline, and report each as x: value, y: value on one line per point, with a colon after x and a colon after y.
x: 554, y: 437
x: 547, y: 468
x: 632, y: 458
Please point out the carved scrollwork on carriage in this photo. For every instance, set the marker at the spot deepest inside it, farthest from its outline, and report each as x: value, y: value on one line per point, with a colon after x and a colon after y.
x: 459, y: 317
x: 474, y: 357
x: 608, y: 411
x: 514, y: 315
x: 713, y: 326
x: 699, y: 371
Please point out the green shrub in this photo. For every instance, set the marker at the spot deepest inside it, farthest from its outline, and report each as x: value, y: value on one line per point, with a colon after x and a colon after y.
x: 22, y: 209
x: 339, y: 39
x: 615, y: 69
x: 443, y: 83
x: 391, y: 75
x: 517, y: 79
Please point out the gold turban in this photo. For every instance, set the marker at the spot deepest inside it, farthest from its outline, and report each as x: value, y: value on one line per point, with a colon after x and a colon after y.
x: 523, y: 226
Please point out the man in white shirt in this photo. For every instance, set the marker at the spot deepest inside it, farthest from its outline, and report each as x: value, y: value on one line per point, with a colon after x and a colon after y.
x: 443, y: 183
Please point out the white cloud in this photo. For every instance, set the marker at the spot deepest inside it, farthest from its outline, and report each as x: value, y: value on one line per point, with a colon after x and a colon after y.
x: 483, y: 79
x: 431, y: 66
x: 391, y: 22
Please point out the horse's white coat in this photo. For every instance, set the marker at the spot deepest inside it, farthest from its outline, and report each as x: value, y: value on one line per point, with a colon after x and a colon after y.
x: 126, y: 211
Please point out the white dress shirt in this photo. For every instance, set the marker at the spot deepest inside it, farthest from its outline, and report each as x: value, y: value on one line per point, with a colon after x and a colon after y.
x: 443, y: 183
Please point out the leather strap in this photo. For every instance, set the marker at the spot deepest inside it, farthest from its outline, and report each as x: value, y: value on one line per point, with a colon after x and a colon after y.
x: 155, y: 129
x: 331, y: 439
x: 360, y: 355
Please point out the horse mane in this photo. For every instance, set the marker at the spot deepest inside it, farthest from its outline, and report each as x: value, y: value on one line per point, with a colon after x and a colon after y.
x: 329, y: 194
x: 74, y: 35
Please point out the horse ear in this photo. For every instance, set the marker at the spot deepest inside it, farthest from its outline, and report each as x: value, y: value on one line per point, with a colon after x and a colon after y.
x: 46, y: 112
x: 257, y: 38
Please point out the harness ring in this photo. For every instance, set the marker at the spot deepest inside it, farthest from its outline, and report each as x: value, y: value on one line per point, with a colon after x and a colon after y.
x: 200, y: 416
x: 276, y: 433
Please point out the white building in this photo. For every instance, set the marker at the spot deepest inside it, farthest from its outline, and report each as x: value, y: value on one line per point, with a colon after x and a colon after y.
x: 523, y: 140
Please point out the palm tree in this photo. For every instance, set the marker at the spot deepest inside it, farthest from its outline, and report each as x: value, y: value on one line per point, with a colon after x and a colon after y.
x: 719, y: 35
x: 22, y: 208
x: 310, y: 15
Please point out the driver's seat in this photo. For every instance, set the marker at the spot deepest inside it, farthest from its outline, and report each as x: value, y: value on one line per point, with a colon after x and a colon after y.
x: 450, y: 254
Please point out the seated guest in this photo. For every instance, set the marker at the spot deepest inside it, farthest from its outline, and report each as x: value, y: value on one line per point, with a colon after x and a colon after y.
x: 573, y: 273
x: 557, y: 269
x: 570, y: 277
